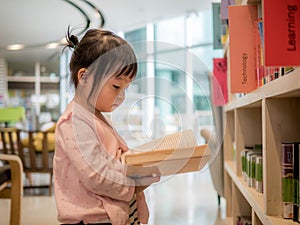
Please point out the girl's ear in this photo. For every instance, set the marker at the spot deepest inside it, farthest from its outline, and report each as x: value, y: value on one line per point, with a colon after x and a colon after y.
x: 82, y: 76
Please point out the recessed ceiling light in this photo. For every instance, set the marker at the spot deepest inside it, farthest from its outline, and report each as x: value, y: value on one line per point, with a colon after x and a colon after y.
x: 15, y: 47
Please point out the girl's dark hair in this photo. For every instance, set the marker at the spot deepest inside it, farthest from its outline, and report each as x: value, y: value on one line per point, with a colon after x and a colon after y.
x: 111, y: 55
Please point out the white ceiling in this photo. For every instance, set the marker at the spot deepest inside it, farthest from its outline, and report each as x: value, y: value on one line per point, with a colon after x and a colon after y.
x: 38, y: 22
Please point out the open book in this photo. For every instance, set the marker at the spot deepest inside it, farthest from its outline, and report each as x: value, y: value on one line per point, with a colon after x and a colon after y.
x: 172, y: 154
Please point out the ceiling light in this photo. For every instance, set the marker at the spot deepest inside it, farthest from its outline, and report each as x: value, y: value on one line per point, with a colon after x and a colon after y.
x: 15, y: 47
x: 52, y: 45
x: 63, y: 41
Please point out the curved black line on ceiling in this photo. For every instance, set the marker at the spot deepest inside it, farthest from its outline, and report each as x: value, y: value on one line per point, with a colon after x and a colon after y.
x: 102, y: 22
x: 88, y: 21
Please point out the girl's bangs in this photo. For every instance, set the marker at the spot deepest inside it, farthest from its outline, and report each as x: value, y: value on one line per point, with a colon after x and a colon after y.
x: 127, y: 70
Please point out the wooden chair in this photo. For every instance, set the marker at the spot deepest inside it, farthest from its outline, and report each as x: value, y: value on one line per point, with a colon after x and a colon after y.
x: 11, y: 185
x: 34, y: 160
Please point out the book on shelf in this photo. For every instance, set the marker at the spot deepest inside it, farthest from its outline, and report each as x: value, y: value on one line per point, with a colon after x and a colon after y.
x: 259, y: 52
x: 287, y: 180
x: 259, y: 184
x: 224, y: 19
x: 217, y: 28
x: 224, y: 8
x: 297, y: 186
x: 265, y: 74
x: 252, y: 168
x: 242, y: 24
x: 295, y: 181
x: 251, y: 158
x: 172, y: 154
x: 224, y: 31
x: 281, y: 32
x: 219, y: 82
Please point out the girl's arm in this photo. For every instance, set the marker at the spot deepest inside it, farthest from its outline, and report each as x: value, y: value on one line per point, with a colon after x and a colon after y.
x: 99, y: 172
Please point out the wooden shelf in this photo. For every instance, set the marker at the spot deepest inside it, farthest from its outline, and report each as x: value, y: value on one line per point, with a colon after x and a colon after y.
x: 283, y: 87
x: 254, y: 198
x: 229, y: 220
x: 264, y: 124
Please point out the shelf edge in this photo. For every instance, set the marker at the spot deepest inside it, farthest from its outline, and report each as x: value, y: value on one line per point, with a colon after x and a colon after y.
x: 249, y: 194
x: 32, y: 79
x: 287, y: 84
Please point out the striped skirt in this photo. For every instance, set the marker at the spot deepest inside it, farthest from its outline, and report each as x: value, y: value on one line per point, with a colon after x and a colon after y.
x: 133, y: 214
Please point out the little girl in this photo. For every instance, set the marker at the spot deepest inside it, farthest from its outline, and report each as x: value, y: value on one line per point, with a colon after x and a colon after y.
x: 89, y: 179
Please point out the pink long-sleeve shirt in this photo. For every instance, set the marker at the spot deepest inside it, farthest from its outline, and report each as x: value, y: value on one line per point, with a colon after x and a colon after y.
x: 90, y: 184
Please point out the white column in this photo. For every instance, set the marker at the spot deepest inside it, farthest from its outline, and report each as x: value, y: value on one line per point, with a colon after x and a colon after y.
x: 3, y: 82
x: 189, y: 104
x: 148, y: 104
x: 189, y: 80
x: 65, y: 92
x: 37, y: 88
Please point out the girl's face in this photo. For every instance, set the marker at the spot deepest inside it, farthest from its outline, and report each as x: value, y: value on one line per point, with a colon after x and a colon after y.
x: 112, y: 93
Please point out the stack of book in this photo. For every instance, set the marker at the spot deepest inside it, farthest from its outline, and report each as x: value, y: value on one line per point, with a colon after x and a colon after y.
x: 264, y: 73
x: 255, y: 56
x: 251, y: 157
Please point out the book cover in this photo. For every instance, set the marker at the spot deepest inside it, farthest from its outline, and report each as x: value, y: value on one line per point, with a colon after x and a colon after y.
x: 244, y: 164
x: 282, y: 32
x: 172, y: 154
x: 217, y: 44
x: 287, y: 180
x: 242, y: 24
x: 295, y: 181
x: 219, y: 82
x: 259, y: 174
x: 224, y: 8
x: 250, y: 166
x: 224, y: 31
x: 297, y: 146
x: 259, y: 51
x: 253, y: 169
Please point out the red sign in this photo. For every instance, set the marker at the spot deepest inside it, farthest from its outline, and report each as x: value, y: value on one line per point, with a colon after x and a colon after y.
x: 282, y: 32
x: 219, y: 82
x: 242, y: 29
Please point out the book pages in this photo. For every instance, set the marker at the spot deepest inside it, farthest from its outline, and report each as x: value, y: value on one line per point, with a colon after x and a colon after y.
x: 172, y: 154
x: 182, y: 139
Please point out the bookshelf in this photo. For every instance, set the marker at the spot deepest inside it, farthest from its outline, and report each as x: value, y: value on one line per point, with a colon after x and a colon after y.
x: 269, y: 115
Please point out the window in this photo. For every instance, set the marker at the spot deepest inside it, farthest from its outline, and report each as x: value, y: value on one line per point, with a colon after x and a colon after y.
x: 175, y: 73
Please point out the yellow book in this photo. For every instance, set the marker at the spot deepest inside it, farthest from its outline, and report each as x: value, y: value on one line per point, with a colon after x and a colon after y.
x: 172, y: 154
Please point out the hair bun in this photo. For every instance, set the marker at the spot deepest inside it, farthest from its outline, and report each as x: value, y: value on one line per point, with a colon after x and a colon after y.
x: 73, y: 40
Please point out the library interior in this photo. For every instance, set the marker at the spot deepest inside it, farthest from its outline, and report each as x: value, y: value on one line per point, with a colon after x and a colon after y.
x: 203, y: 126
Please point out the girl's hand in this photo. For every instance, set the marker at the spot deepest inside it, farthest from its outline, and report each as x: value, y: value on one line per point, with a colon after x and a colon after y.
x: 118, y: 154
x: 141, y: 183
x: 120, y: 151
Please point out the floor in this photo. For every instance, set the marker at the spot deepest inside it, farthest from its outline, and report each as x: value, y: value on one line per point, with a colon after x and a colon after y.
x: 186, y: 199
